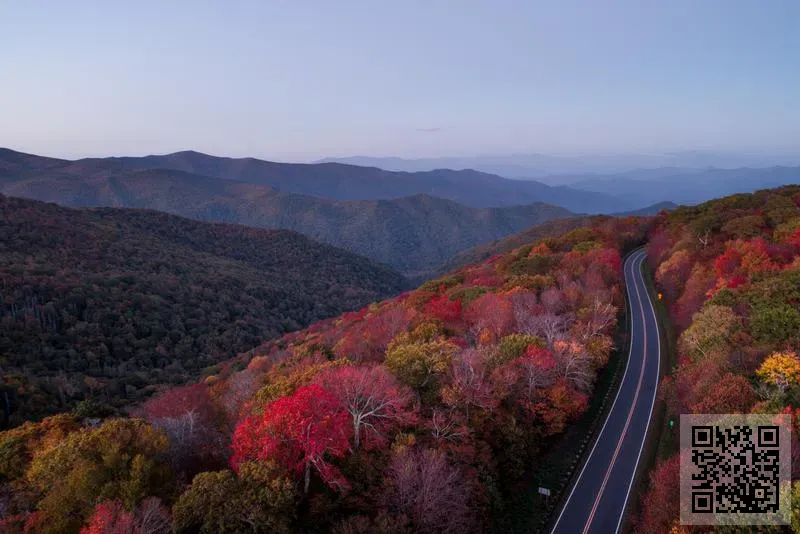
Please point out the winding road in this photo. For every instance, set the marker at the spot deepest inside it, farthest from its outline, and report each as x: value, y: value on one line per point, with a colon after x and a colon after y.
x: 597, y: 501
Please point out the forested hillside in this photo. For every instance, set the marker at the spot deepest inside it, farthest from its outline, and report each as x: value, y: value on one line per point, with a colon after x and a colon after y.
x: 107, y: 304
x: 730, y: 271
x: 416, y: 414
x: 535, y: 233
x: 415, y: 234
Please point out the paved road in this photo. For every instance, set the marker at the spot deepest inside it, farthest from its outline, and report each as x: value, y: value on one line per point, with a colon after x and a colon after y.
x: 597, y: 502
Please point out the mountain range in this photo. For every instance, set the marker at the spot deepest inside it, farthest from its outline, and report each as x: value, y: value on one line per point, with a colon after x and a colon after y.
x: 550, y: 167
x: 686, y: 186
x: 412, y: 221
x: 328, y: 180
x: 413, y: 234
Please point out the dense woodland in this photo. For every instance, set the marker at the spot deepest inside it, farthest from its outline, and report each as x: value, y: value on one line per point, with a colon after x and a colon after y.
x: 415, y: 414
x: 730, y: 271
x: 107, y: 305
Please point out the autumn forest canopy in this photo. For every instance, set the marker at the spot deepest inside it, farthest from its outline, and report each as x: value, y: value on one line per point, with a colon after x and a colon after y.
x: 171, y: 375
x: 407, y: 415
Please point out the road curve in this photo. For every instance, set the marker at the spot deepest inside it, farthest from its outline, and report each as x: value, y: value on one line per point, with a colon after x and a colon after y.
x: 597, y: 501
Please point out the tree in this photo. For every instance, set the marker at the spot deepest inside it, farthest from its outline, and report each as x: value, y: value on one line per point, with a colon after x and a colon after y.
x: 574, y: 364
x: 239, y: 387
x: 700, y: 282
x: 560, y: 404
x: 660, y: 509
x: 120, y: 460
x: 743, y: 259
x: 672, y: 273
x: 550, y: 326
x: 607, y: 262
x: 110, y: 517
x: 469, y: 384
x: 430, y: 492
x: 512, y: 347
x: 523, y: 306
x: 491, y: 313
x: 538, y: 367
x: 257, y: 499
x: 595, y: 319
x: 731, y: 394
x: 18, y: 445
x: 419, y: 363
x: 711, y: 330
x: 745, y: 227
x: 367, y: 339
x: 553, y: 300
x: 298, y: 431
x: 186, y: 415
x: 777, y: 323
x: 372, y: 396
x: 780, y: 369
x: 444, y: 309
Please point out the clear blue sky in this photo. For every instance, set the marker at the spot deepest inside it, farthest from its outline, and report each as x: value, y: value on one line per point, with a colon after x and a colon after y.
x: 303, y: 79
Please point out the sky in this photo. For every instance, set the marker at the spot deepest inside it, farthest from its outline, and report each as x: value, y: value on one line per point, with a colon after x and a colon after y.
x: 298, y: 80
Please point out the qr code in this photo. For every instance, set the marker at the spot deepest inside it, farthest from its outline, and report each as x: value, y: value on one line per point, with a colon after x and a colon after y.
x: 735, y: 469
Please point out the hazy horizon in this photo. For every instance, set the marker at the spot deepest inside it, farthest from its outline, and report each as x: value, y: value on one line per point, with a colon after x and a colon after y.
x: 289, y: 82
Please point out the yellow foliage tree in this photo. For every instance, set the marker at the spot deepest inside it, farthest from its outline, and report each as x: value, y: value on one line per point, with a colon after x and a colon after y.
x: 781, y: 369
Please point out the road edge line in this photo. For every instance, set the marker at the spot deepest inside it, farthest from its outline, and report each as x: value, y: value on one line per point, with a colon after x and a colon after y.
x: 652, y: 403
x: 619, y: 388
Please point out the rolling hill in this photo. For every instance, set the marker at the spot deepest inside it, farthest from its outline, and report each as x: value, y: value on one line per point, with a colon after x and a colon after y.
x: 331, y: 180
x: 412, y: 234
x: 113, y: 302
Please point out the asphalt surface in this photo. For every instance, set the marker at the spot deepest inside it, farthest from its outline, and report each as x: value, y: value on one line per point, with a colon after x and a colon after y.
x: 600, y: 494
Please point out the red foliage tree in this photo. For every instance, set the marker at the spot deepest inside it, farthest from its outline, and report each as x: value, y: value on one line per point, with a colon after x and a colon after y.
x: 607, y: 261
x: 298, y: 431
x: 731, y: 394
x: 110, y: 517
x: 491, y: 313
x: 660, y: 508
x: 560, y: 405
x: 700, y: 282
x: 672, y: 274
x: 444, y: 309
x: 373, y: 397
x: 742, y: 259
x: 538, y: 368
x: 177, y: 401
x: 187, y: 416
x: 794, y: 238
x: 657, y: 247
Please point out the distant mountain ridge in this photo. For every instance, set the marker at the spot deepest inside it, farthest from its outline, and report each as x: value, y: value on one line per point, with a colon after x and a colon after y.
x: 338, y: 181
x: 688, y: 177
x: 689, y: 187
x: 413, y: 234
x: 549, y: 167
